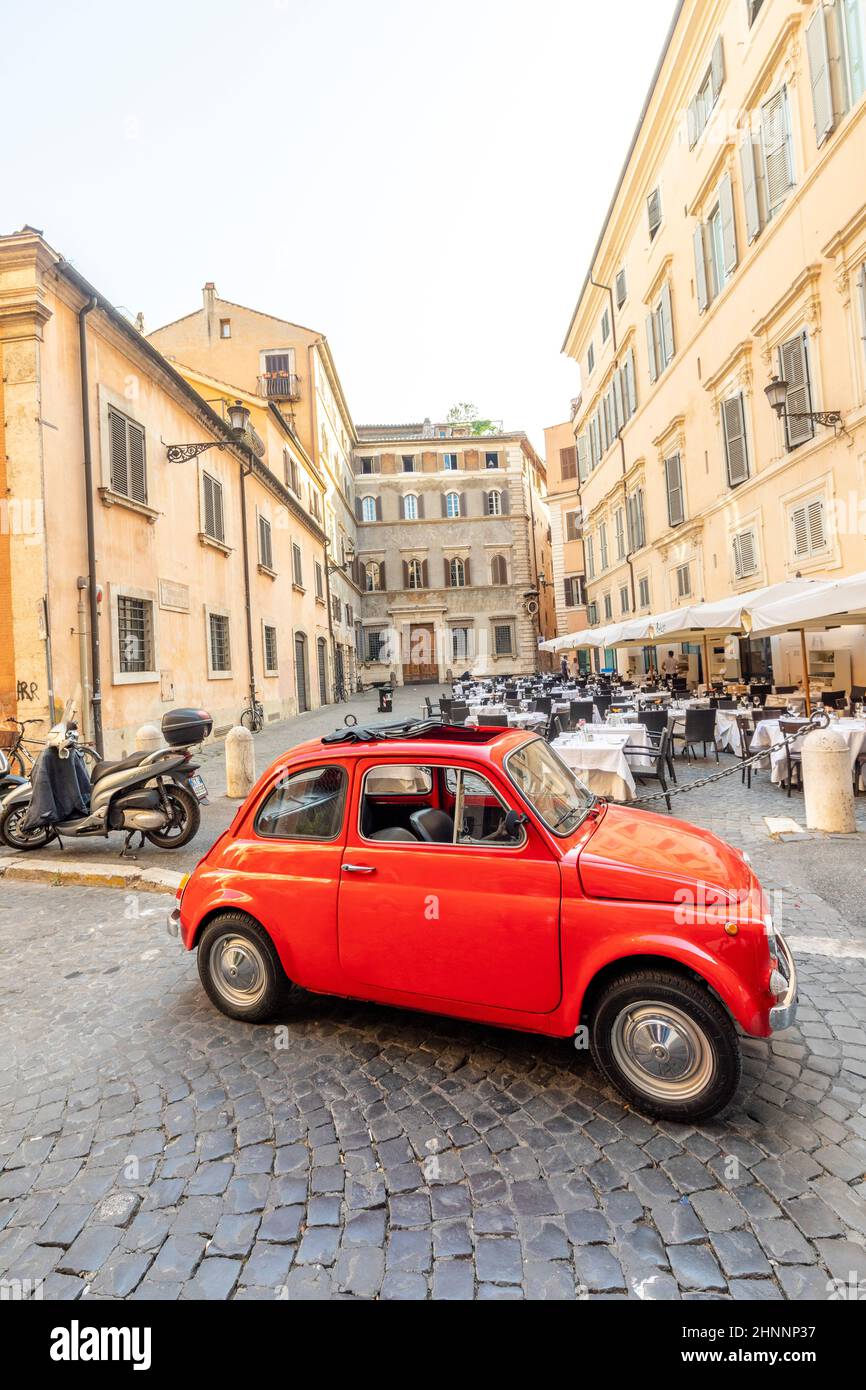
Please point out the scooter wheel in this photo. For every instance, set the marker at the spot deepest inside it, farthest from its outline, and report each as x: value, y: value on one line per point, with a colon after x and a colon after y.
x: 184, y: 828
x: 12, y: 834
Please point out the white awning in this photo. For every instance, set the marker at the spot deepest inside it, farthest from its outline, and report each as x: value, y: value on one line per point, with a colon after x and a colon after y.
x: 733, y: 614
x: 837, y: 603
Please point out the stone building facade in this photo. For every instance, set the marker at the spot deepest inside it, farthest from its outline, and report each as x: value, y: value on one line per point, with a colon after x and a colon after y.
x: 453, y: 552
x: 566, y: 526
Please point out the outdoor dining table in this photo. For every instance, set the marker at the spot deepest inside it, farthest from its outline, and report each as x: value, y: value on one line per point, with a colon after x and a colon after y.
x: 601, y: 765
x: 514, y: 718
x: 768, y: 732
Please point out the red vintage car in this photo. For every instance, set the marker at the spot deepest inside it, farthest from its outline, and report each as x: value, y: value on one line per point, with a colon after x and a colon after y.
x: 468, y: 872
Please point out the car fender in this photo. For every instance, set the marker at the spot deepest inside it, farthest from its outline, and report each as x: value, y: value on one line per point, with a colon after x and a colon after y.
x: 746, y: 1006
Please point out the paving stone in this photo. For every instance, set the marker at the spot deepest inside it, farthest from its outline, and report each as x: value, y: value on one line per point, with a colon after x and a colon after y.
x: 360, y: 1271
x: 597, y: 1268
x: 90, y: 1250
x: 783, y: 1242
x: 695, y: 1268
x: 215, y: 1278
x: 739, y: 1254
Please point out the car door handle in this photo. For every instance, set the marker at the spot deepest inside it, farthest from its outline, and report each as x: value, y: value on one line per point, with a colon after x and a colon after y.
x: 358, y: 869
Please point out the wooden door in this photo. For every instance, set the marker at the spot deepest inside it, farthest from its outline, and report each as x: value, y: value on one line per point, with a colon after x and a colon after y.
x: 421, y: 668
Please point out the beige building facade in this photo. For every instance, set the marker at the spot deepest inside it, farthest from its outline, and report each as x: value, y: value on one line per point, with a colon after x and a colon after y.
x: 290, y: 369
x: 734, y: 251
x: 167, y: 482
x: 566, y: 525
x: 454, y: 552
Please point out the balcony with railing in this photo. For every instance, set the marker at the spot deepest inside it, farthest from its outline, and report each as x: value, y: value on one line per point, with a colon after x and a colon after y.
x: 280, y: 386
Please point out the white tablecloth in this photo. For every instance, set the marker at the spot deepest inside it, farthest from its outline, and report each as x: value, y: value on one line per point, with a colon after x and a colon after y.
x: 515, y: 718
x: 768, y: 732
x: 603, y: 767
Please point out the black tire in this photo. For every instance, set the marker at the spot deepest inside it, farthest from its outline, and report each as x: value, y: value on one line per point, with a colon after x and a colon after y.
x: 648, y: 1010
x: 234, y: 941
x: 12, y: 835
x: 188, y: 813
x: 16, y: 764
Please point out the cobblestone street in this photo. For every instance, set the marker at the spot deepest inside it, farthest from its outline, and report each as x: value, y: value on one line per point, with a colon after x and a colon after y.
x: 152, y: 1148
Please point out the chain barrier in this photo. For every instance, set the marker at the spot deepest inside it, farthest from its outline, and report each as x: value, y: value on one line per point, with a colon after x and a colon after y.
x: 819, y: 720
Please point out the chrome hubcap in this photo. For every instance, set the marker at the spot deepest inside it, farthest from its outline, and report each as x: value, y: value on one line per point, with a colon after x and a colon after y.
x: 662, y: 1051
x: 238, y: 970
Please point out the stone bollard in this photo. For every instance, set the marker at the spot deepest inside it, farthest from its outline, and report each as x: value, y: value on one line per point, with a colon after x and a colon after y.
x: 240, y: 763
x: 827, y: 783
x: 148, y: 739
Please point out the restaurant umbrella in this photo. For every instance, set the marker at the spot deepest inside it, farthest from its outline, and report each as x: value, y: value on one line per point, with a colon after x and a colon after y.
x: 831, y: 603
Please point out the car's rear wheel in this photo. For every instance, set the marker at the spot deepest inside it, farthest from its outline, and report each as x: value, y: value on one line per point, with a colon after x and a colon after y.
x: 240, y: 969
x: 666, y: 1044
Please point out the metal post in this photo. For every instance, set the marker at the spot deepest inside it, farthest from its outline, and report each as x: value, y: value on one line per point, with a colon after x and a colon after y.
x: 805, y: 656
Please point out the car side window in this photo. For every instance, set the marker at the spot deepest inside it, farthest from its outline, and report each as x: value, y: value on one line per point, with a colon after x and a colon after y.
x: 480, y: 814
x: 305, y: 805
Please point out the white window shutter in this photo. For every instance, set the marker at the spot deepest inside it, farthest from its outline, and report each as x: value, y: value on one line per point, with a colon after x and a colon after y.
x: 776, y: 144
x: 701, y: 270
x: 794, y: 363
x: 582, y: 457
x: 651, y: 348
x: 667, y: 325
x: 854, y: 23
x: 817, y: 529
x: 819, y: 71
x: 738, y: 559
x: 729, y: 225
x: 799, y: 532
x: 619, y: 401
x: 750, y: 188
x: 736, y: 452
x: 718, y: 67
x: 631, y: 380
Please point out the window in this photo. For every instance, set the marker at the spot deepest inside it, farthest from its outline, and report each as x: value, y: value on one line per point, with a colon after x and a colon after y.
x: 266, y: 556
x: 592, y: 614
x: 643, y: 591
x: 621, y: 289
x: 457, y: 574
x: 410, y: 508
x: 225, y: 328
x: 854, y: 27
x: 315, y: 503
x: 306, y: 805
x: 135, y: 635
x: 589, y: 556
x: 415, y: 575
x: 734, y: 430
x: 602, y: 546
x: 503, y: 639
x: 605, y: 326
x: 493, y: 503
x: 624, y: 600
x: 449, y: 463
x: 568, y: 463
x: 461, y: 645
x: 297, y: 566
x: 835, y: 41
x: 674, y: 486
x: 608, y: 608
x: 499, y: 570
x: 590, y: 359
x: 634, y: 516
x: 660, y: 335
x: 335, y: 607
x: 491, y: 459
x: 703, y: 103
x: 575, y: 592
x: 269, y: 641
x: 716, y: 254
x: 619, y: 526
x: 213, y: 522
x: 368, y: 509
x: 375, y: 644
x: 573, y: 526
x: 408, y: 463
x: 128, y: 470
x: 290, y: 473
x: 684, y: 581
x: 320, y: 581
x: 753, y: 7
x: 452, y: 504
x: 350, y: 617
x: 371, y: 465
x: 551, y: 788
x: 654, y: 212
x: 220, y: 645
x: 745, y: 554
x: 373, y: 577
x: 794, y: 368
x: 808, y: 529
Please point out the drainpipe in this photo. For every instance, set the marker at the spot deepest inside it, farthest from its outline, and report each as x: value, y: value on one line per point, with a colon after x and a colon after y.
x: 83, y: 662
x: 248, y: 605
x: 331, y: 633
x: 95, y: 661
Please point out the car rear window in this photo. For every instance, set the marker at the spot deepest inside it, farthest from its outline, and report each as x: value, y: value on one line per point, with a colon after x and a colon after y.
x: 305, y: 805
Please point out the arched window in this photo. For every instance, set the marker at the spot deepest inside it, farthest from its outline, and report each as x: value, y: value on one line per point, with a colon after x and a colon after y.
x: 410, y: 507
x: 368, y: 509
x: 374, y: 577
x: 499, y: 567
x: 458, y: 574
x: 452, y: 504
x: 416, y: 574
x: 494, y: 504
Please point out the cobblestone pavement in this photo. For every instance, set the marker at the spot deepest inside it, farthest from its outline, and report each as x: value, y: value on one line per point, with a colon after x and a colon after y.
x: 151, y: 1148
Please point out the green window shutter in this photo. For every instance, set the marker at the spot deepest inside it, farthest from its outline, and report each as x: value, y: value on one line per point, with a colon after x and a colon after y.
x: 794, y: 364
x: 776, y: 144
x: 750, y: 188
x: 117, y: 453
x: 729, y: 225
x: 818, y: 50
x: 718, y: 65
x: 674, y: 484
x: 736, y: 451
x: 651, y: 348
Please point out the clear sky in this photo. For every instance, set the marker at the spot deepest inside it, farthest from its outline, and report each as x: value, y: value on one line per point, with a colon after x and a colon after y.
x: 424, y: 182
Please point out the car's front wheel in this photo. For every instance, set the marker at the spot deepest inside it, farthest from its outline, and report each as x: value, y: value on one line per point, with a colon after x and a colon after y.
x: 240, y: 969
x: 666, y: 1044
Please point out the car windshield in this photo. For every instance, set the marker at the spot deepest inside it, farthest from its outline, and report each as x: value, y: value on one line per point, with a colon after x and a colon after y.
x: 551, y: 788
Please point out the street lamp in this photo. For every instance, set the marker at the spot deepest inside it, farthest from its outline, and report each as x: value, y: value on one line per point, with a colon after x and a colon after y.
x: 777, y: 395
x: 348, y: 558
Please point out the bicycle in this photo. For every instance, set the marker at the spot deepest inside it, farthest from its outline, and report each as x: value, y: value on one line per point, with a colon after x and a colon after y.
x: 253, y: 716
x: 14, y: 745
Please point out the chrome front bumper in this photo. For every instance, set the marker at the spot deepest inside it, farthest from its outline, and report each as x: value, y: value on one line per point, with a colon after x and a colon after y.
x: 784, y: 1014
x: 172, y: 925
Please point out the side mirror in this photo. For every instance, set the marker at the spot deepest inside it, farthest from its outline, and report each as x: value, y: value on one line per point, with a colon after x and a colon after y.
x: 513, y: 822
